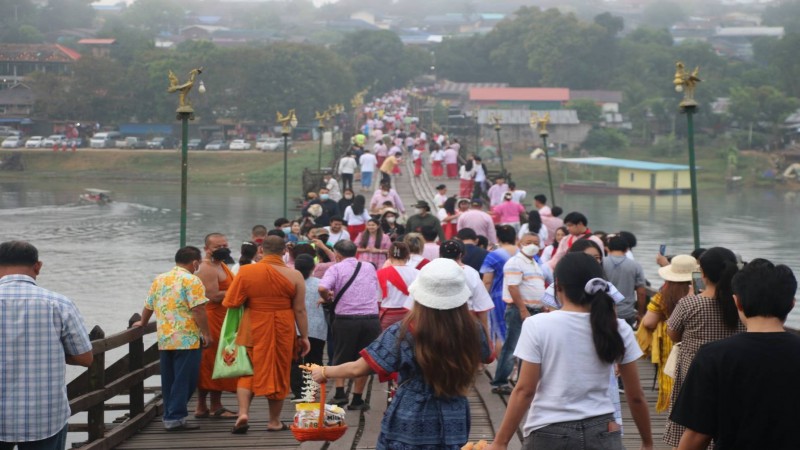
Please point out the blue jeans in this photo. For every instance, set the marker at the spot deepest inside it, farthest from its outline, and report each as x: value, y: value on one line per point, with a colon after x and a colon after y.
x: 586, y: 434
x: 505, y: 362
x: 57, y: 441
x: 179, y: 372
x: 366, y: 179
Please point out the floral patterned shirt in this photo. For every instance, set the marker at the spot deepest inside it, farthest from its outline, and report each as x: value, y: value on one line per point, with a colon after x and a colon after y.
x: 172, y: 297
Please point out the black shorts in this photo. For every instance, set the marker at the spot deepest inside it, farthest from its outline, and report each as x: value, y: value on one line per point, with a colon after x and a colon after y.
x: 351, y: 334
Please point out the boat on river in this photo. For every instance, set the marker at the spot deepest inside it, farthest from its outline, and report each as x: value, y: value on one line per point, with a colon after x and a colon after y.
x: 98, y: 197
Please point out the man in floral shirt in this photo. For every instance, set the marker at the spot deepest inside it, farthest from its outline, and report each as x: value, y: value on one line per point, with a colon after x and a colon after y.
x: 178, y: 299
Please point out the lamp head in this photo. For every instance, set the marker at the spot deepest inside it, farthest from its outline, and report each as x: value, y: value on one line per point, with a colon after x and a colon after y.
x: 293, y: 120
x: 678, y: 88
x: 202, y: 88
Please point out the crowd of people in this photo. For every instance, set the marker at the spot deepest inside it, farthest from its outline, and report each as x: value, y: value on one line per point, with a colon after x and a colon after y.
x: 426, y: 301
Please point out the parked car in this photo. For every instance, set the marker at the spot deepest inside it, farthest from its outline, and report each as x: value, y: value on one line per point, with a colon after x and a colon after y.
x: 12, y: 142
x: 104, y: 139
x: 34, y: 142
x: 195, y: 144
x: 161, y: 142
x: 240, y: 144
x: 273, y: 144
x: 217, y: 144
x: 54, y: 139
x: 132, y: 142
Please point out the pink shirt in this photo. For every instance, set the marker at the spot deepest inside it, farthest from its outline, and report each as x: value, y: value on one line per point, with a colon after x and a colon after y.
x: 430, y: 251
x: 450, y: 156
x: 564, y: 246
x: 378, y: 198
x: 551, y: 223
x: 480, y: 222
x: 509, y: 211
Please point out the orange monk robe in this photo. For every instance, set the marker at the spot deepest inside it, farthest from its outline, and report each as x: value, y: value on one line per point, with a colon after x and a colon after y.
x: 268, y: 326
x: 216, y: 315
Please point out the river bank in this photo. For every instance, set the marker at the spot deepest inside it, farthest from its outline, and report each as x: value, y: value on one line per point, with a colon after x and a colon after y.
x: 205, y: 167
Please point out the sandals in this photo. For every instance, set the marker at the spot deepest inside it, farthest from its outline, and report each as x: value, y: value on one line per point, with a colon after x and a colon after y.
x: 218, y: 414
x: 283, y: 427
x: 240, y: 429
x: 502, y: 390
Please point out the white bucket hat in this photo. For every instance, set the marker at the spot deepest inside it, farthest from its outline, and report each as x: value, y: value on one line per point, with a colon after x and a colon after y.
x: 680, y: 270
x: 441, y: 284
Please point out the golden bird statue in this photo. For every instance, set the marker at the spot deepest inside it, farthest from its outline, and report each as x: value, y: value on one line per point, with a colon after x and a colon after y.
x: 183, y: 89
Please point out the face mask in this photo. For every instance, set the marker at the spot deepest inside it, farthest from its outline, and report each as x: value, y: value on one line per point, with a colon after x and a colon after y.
x: 530, y: 250
x: 221, y: 254
x: 390, y: 219
x: 348, y: 196
x: 385, y: 192
x: 324, y: 197
x: 421, y: 210
x: 323, y: 237
x: 286, y: 230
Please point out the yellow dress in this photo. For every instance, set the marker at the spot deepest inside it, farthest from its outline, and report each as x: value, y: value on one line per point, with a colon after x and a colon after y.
x: 658, y: 345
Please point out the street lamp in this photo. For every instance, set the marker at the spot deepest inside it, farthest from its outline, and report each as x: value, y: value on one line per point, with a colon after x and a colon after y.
x: 287, y: 122
x: 686, y: 82
x: 542, y: 128
x: 321, y: 118
x: 184, y: 113
x: 496, y: 119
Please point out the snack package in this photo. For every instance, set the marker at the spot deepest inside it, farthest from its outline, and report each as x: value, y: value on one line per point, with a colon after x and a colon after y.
x: 480, y: 445
x: 307, y: 415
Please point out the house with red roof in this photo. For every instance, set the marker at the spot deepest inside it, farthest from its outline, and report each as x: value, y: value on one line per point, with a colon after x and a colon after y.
x: 519, y: 98
x: 17, y: 61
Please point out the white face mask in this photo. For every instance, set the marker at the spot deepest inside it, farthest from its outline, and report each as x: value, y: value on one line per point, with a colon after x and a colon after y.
x: 390, y: 219
x: 530, y: 250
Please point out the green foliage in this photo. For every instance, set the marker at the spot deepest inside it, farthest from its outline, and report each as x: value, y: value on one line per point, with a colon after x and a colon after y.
x: 605, y: 141
x: 780, y: 55
x: 763, y: 107
x: 666, y: 146
x: 588, y: 111
x: 380, y: 61
x: 154, y: 16
x: 63, y: 14
x: 783, y: 14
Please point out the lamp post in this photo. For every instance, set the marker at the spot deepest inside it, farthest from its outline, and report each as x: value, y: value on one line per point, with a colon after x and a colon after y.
x: 184, y: 113
x: 541, y: 124
x: 686, y: 82
x: 287, y: 122
x: 496, y: 119
x: 321, y: 118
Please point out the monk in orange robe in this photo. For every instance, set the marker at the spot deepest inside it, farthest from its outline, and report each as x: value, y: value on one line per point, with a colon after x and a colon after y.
x: 216, y: 278
x: 274, y: 299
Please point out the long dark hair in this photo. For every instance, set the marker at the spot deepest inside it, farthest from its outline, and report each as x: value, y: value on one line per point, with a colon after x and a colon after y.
x: 534, y: 221
x: 468, y: 165
x: 358, y: 204
x: 378, y: 235
x: 556, y: 241
x: 572, y: 273
x: 448, y: 365
x: 450, y: 205
x: 719, y: 265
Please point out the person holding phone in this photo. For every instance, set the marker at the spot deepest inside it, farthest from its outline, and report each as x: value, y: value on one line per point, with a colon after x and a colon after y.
x: 703, y: 318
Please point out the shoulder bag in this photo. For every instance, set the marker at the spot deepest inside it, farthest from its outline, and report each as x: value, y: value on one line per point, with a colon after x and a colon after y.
x: 330, y: 308
x: 671, y: 366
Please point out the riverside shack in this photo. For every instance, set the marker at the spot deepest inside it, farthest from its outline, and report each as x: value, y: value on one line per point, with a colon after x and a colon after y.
x: 633, y: 177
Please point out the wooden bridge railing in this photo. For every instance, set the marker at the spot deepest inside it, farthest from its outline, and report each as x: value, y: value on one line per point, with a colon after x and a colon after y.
x: 90, y: 391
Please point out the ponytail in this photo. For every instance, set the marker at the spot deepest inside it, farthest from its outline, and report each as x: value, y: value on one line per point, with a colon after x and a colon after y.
x: 579, y: 277
x: 605, y: 329
x: 724, y: 295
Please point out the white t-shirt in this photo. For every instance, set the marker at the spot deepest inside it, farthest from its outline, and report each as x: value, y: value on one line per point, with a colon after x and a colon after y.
x: 574, y: 382
x: 368, y: 161
x: 395, y: 298
x: 333, y: 189
x: 348, y: 165
x: 524, y: 229
x: 438, y: 200
x: 518, y: 195
x: 333, y: 238
x: 352, y: 219
x: 525, y: 273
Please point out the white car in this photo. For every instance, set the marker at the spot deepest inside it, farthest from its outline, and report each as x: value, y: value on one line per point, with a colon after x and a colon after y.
x: 12, y: 142
x: 239, y: 144
x: 55, y: 139
x: 34, y: 142
x: 273, y: 144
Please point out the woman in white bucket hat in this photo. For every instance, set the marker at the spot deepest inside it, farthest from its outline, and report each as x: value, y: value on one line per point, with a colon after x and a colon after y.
x: 430, y: 408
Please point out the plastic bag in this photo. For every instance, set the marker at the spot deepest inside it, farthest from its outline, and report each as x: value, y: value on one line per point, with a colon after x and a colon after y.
x: 232, y: 360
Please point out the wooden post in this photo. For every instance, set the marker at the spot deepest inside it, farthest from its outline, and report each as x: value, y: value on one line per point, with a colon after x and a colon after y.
x: 136, y: 362
x: 97, y: 375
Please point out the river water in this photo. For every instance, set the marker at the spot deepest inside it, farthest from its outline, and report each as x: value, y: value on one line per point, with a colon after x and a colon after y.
x: 105, y: 258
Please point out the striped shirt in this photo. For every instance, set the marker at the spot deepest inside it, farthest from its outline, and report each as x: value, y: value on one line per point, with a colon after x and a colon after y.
x: 37, y: 329
x: 521, y: 271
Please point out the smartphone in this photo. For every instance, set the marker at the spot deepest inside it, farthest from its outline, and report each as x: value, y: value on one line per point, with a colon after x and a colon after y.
x: 697, y: 282
x: 662, y: 249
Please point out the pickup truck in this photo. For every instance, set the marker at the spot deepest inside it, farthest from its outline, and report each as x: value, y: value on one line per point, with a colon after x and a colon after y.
x: 132, y: 142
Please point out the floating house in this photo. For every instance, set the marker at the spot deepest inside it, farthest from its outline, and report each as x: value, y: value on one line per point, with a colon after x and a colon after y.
x: 634, y: 177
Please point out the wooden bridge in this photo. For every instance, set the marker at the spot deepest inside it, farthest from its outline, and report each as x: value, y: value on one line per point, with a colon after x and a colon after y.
x: 137, y: 424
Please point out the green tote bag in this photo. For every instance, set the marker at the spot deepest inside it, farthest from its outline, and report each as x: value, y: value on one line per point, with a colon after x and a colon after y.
x: 232, y: 360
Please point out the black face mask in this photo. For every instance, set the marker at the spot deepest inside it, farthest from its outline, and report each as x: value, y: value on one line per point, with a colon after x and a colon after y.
x: 221, y: 254
x: 323, y: 238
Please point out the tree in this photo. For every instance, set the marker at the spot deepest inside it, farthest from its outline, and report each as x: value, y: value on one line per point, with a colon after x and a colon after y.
x: 155, y: 16
x: 663, y: 14
x: 605, y: 141
x: 374, y: 57
x: 62, y: 14
x: 762, y: 107
x: 588, y: 111
x: 783, y: 14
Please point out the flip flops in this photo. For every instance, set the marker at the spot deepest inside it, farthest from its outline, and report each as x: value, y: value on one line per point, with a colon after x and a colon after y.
x: 218, y: 414
x: 283, y: 427
x: 240, y: 429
